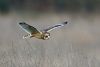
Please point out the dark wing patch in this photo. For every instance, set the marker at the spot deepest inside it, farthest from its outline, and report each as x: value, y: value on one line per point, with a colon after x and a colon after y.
x: 28, y: 28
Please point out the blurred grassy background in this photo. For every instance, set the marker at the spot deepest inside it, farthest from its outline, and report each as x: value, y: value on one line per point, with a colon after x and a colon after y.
x: 75, y: 45
x: 50, y: 5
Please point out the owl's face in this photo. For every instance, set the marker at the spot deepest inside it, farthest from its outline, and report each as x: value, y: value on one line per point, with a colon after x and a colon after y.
x: 46, y: 36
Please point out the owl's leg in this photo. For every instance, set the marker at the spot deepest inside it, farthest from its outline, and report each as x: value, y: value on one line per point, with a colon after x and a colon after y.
x: 27, y: 36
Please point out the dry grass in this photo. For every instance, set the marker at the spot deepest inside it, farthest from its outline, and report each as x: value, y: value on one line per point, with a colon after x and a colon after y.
x: 75, y: 45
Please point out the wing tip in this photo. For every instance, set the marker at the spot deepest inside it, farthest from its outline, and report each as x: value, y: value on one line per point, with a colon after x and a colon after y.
x: 65, y: 22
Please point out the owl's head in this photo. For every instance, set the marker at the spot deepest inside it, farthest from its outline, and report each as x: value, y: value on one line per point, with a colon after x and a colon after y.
x: 46, y: 36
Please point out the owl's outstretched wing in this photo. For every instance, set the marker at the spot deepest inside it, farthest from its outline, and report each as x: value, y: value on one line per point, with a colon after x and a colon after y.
x: 56, y: 26
x: 28, y: 28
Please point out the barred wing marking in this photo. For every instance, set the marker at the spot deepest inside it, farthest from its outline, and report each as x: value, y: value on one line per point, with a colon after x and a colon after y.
x: 56, y: 26
x: 29, y: 29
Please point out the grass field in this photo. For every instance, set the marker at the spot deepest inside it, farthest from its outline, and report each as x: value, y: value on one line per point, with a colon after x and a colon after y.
x: 75, y: 45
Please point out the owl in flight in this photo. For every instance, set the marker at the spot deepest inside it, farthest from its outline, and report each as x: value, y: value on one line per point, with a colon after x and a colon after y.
x: 40, y: 34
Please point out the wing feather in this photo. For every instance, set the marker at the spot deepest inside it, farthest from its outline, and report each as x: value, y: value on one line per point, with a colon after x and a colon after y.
x: 56, y: 26
x: 28, y: 28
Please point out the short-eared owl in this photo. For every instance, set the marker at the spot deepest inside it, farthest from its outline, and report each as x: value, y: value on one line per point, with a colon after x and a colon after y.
x: 33, y: 32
